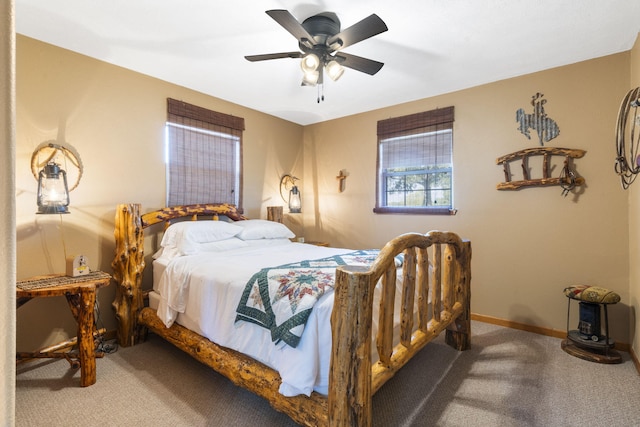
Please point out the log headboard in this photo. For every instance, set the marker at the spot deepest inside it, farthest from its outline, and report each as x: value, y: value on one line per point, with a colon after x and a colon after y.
x: 128, y: 264
x: 194, y: 211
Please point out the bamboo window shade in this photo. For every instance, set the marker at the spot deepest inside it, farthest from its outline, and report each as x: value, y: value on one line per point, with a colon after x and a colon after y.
x: 412, y: 141
x: 397, y: 125
x: 204, y: 155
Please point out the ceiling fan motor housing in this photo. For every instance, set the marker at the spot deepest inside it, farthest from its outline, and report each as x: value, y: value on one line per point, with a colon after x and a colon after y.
x: 321, y: 27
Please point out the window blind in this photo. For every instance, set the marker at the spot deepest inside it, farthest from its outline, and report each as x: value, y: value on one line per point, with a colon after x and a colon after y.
x: 204, y: 151
x: 430, y: 146
x: 398, y: 126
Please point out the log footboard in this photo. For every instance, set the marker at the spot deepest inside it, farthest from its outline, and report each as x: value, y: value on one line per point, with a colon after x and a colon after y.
x: 436, y: 276
x: 442, y: 289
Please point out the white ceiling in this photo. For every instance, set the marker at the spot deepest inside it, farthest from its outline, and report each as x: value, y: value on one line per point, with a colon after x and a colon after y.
x: 432, y: 46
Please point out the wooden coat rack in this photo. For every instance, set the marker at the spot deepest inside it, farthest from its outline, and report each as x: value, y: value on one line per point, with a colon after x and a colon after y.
x: 566, y: 179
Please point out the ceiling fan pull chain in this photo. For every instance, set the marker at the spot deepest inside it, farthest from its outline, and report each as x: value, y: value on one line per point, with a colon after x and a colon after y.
x: 320, y: 95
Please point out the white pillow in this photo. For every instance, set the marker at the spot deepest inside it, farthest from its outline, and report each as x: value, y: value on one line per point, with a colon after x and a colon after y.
x: 254, y: 229
x: 186, y: 235
x: 168, y: 254
x: 267, y: 242
x: 222, y: 245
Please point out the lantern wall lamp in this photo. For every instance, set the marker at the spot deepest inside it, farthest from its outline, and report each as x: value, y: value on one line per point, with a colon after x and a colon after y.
x: 288, y: 185
x: 53, y: 188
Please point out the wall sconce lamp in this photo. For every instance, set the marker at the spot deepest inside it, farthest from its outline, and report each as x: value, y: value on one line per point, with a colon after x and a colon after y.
x: 53, y: 190
x: 288, y: 183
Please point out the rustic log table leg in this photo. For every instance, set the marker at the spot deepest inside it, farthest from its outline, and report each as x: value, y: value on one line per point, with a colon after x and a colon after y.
x: 82, y: 306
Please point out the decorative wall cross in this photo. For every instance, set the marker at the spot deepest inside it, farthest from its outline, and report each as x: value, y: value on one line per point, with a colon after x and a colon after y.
x: 342, y: 180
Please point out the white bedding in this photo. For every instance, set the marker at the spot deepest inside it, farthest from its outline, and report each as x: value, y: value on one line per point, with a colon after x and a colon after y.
x: 202, y: 291
x: 199, y: 283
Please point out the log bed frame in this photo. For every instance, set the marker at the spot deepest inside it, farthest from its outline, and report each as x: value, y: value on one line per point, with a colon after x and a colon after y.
x: 353, y: 378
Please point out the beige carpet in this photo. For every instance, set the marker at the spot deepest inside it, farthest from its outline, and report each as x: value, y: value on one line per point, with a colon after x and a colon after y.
x: 508, y: 378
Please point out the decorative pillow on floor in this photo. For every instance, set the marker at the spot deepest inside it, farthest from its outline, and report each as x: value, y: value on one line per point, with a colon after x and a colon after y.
x: 593, y: 294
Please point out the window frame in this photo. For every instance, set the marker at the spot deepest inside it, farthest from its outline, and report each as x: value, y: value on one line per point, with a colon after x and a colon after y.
x: 437, y: 120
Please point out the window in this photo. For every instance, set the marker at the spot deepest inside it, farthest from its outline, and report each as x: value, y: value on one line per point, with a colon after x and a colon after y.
x: 415, y: 163
x: 204, y: 156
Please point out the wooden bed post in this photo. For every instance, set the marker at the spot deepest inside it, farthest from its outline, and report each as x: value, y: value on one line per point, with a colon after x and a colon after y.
x: 350, y: 370
x: 128, y: 266
x: 275, y: 213
x: 458, y: 335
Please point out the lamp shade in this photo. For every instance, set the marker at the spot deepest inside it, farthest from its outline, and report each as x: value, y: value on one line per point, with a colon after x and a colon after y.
x: 53, y: 192
x: 310, y: 78
x: 310, y: 63
x: 334, y: 70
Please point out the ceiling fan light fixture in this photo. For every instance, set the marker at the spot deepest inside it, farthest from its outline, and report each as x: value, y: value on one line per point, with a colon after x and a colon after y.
x: 310, y: 63
x: 319, y: 39
x: 334, y: 70
x: 310, y: 78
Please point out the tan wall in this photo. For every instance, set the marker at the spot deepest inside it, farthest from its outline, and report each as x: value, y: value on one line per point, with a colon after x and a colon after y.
x: 115, y: 119
x: 527, y: 245
x: 634, y: 227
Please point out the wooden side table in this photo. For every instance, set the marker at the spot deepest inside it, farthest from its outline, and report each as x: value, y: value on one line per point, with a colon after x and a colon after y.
x: 81, y: 295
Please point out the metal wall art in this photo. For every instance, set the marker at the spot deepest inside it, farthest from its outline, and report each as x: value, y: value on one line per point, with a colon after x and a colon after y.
x: 538, y: 120
x: 547, y: 130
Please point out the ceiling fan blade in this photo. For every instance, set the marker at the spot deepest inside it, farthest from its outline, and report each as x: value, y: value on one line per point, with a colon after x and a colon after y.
x: 266, y: 56
x: 358, y: 63
x: 291, y: 24
x: 368, y: 27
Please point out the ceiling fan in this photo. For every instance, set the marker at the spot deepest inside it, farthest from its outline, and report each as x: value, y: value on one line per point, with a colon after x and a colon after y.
x: 321, y: 42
